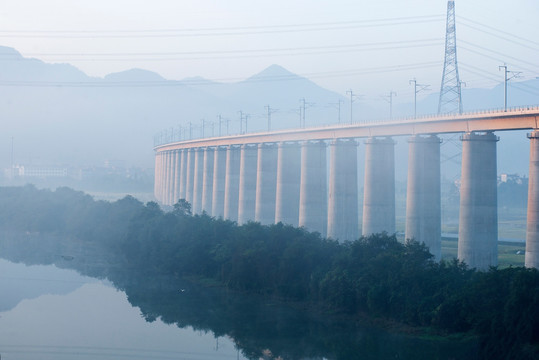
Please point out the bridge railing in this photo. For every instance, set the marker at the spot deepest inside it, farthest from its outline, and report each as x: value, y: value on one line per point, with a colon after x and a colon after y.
x: 179, y: 134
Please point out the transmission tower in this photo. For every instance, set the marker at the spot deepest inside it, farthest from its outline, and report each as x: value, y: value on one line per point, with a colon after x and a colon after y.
x: 450, y: 97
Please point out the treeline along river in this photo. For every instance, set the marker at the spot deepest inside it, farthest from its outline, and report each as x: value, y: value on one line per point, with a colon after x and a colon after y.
x: 149, y: 254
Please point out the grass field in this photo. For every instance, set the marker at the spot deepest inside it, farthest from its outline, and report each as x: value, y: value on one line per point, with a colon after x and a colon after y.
x: 509, y: 253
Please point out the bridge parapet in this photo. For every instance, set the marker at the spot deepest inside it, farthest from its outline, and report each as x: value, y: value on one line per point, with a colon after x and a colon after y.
x: 484, y: 120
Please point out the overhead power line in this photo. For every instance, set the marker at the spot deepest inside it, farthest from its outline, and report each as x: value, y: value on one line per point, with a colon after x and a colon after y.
x: 496, y: 80
x: 373, y: 45
x: 220, y: 31
x: 498, y: 53
x: 176, y: 83
x: 498, y: 30
x: 512, y: 41
x: 480, y: 72
x: 500, y: 59
x: 237, y: 54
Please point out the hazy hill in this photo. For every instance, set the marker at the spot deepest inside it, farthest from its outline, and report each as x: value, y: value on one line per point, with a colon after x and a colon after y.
x: 59, y: 115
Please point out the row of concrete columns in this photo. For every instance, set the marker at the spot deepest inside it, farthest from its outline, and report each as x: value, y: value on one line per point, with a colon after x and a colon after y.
x: 532, y: 228
x: 287, y: 182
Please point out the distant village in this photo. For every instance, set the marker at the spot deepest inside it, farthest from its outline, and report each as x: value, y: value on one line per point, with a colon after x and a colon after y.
x: 112, y: 176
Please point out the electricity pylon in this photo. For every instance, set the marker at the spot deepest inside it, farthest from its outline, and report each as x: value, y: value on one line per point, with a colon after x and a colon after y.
x: 450, y: 95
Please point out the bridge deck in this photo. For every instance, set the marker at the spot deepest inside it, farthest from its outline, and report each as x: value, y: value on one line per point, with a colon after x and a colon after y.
x: 515, y: 119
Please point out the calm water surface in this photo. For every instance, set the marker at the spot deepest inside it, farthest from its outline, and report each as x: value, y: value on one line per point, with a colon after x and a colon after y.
x: 48, y: 310
x: 51, y: 313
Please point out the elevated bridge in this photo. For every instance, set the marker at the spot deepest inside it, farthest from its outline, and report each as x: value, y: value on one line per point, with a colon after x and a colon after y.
x: 282, y: 176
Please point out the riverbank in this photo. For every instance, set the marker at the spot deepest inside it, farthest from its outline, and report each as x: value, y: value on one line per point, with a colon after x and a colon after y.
x: 376, y: 275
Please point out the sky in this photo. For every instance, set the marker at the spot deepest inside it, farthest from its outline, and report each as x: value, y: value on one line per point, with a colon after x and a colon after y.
x: 371, y: 47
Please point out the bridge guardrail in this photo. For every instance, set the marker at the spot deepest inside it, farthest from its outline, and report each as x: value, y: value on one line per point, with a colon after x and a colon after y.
x: 173, y: 135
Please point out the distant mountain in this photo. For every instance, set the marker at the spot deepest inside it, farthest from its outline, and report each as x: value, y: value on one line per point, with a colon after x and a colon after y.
x: 17, y: 68
x: 10, y: 53
x: 277, y: 83
x: 138, y: 75
x: 56, y: 114
x: 274, y: 86
x: 274, y: 72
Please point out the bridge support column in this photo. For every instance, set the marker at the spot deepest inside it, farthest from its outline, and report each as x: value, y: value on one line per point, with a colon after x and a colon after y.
x: 171, y: 177
x: 247, y: 197
x: 532, y: 228
x: 171, y: 173
x: 207, y: 180
x: 219, y: 177
x: 343, y: 219
x: 198, y: 181
x: 478, y: 218
x: 164, y: 163
x: 163, y: 171
x: 157, y: 176
x: 288, y: 183
x: 190, y: 176
x: 232, y: 182
x: 313, y: 188
x: 266, y: 183
x: 423, y: 195
x: 183, y: 174
x: 173, y: 170
x: 379, y: 188
x: 177, y: 172
x: 168, y: 173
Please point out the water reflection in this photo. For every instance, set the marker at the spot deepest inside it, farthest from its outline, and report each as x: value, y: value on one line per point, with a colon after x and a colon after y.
x: 90, y: 320
x: 175, y: 318
x: 19, y: 282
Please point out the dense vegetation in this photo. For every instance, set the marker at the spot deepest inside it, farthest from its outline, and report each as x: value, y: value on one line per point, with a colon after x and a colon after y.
x: 376, y: 275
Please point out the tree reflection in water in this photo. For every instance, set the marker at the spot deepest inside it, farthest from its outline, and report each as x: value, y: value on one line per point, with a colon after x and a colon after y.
x: 260, y: 327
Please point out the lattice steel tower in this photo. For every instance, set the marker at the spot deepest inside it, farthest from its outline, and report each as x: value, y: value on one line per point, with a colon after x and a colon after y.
x: 450, y: 98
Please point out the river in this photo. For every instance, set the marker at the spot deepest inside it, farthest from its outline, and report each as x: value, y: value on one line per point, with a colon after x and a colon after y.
x: 49, y: 310
x: 51, y: 313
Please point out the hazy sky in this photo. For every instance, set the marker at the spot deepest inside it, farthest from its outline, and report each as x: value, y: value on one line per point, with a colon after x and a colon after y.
x: 370, y: 46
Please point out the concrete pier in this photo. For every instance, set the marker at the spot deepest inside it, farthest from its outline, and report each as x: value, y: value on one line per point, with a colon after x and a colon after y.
x: 190, y: 175
x: 157, y: 176
x: 177, y: 171
x: 168, y: 168
x: 313, y: 187
x: 183, y: 174
x: 343, y: 221
x: 379, y: 187
x: 532, y: 228
x: 478, y: 217
x: 423, y: 195
x: 266, y: 183
x: 171, y: 177
x: 197, y: 181
x: 247, y: 196
x: 173, y: 158
x: 219, y: 180
x: 232, y: 182
x: 207, y: 180
x: 288, y: 183
x: 162, y: 183
x: 164, y: 179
